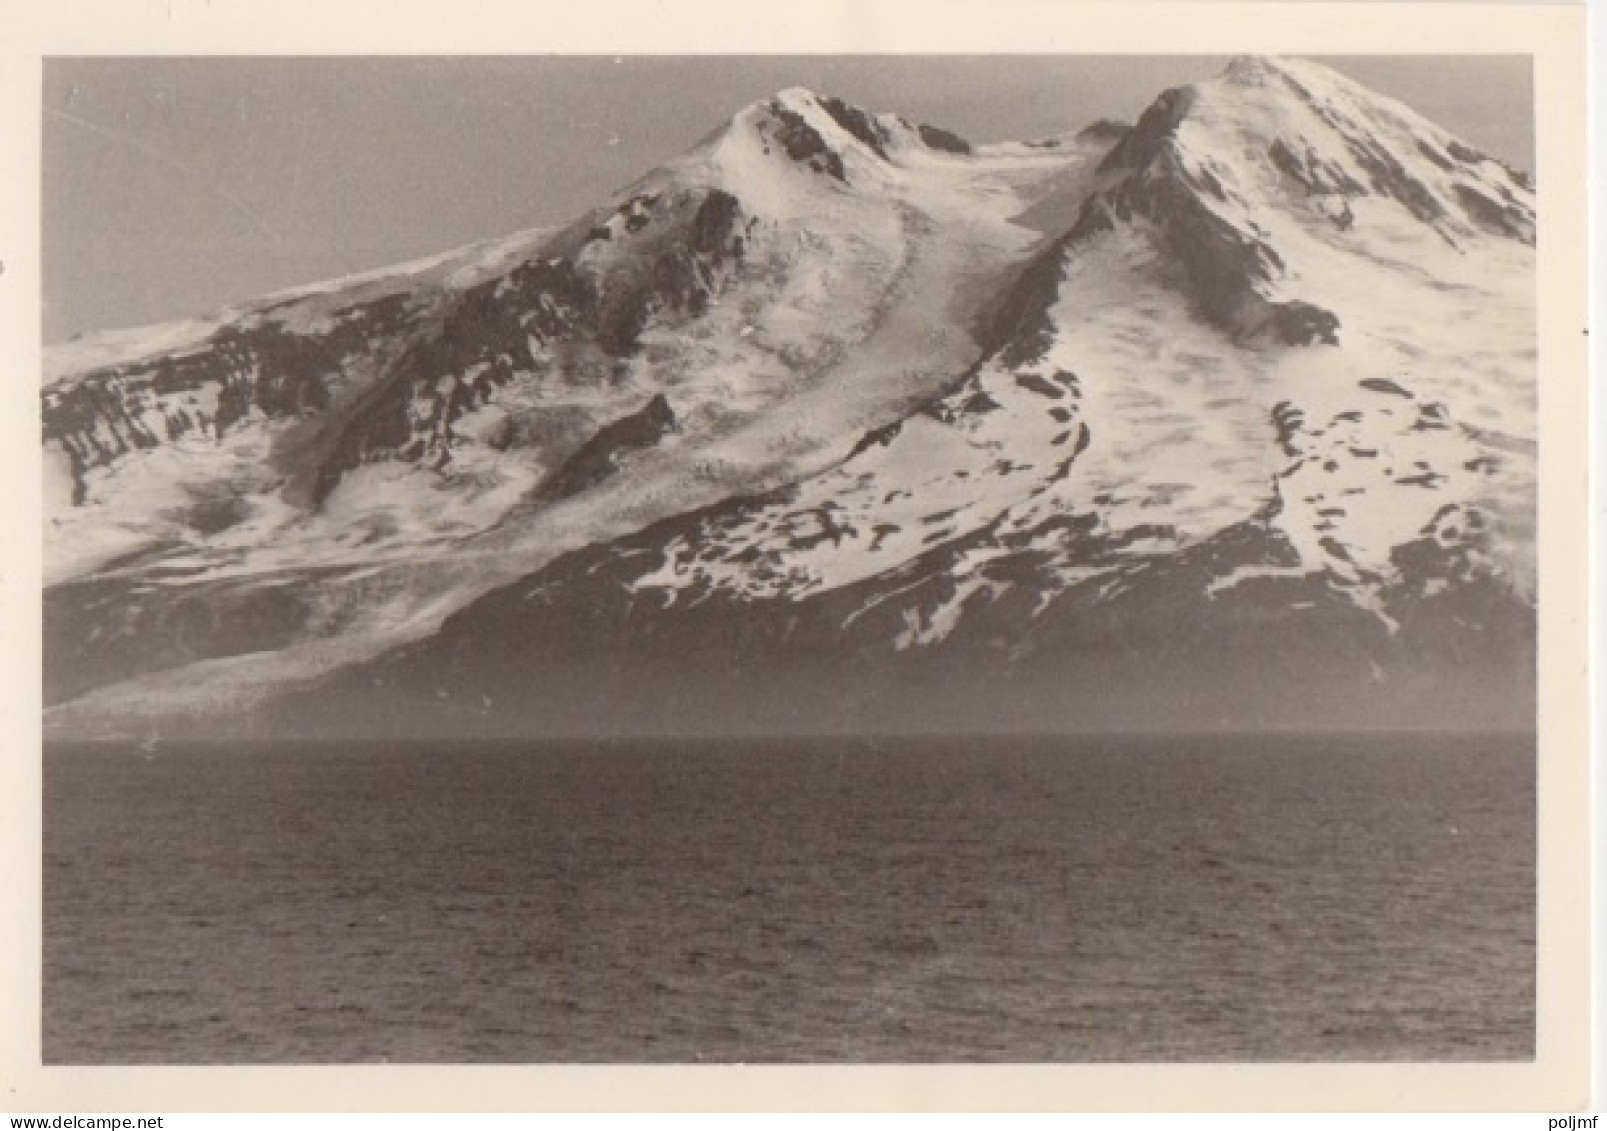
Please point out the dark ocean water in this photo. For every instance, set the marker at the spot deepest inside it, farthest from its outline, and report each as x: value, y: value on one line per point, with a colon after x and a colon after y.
x: 987, y: 900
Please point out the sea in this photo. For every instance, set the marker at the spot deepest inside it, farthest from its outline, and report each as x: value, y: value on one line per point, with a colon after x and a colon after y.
x: 1065, y: 900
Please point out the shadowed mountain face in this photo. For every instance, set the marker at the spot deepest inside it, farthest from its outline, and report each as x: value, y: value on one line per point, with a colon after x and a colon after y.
x: 1224, y: 420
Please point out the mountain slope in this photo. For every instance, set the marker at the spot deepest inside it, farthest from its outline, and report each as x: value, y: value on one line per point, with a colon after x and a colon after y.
x: 783, y: 286
x: 814, y: 432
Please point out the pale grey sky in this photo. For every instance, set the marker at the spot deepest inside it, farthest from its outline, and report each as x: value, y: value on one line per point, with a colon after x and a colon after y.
x: 176, y: 186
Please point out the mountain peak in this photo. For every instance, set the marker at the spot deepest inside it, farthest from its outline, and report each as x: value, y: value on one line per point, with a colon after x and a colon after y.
x: 1253, y: 70
x: 797, y: 95
x: 831, y: 135
x: 1260, y: 70
x: 1272, y: 135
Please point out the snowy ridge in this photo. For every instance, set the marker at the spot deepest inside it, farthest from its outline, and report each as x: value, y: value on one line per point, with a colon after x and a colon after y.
x: 1354, y: 453
x: 295, y: 308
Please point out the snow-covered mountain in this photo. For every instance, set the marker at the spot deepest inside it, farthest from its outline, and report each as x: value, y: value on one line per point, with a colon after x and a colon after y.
x: 840, y: 422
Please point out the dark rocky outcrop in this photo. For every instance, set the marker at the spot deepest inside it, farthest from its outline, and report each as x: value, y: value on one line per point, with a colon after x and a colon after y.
x: 715, y: 225
x: 858, y: 123
x: 803, y: 143
x: 1298, y: 323
x: 599, y: 457
x: 1226, y: 268
x: 1384, y: 385
x: 1106, y: 130
x: 1504, y: 219
x: 1313, y: 173
x: 1020, y: 328
x: 677, y: 273
x: 935, y: 137
x: 877, y: 438
x: 1153, y: 132
x: 254, y: 368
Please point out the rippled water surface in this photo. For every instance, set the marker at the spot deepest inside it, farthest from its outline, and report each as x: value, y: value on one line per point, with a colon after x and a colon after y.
x: 985, y: 900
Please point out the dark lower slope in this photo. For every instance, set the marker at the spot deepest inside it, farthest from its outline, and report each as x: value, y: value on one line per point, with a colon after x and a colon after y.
x: 574, y: 649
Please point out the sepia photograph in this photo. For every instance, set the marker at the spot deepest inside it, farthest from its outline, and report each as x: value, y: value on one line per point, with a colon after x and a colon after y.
x: 800, y: 558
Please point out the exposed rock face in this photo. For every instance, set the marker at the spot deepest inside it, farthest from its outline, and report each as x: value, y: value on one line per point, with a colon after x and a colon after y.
x: 258, y: 369
x: 938, y: 138
x: 858, y: 123
x: 803, y: 143
x: 599, y: 456
x: 1105, y: 130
